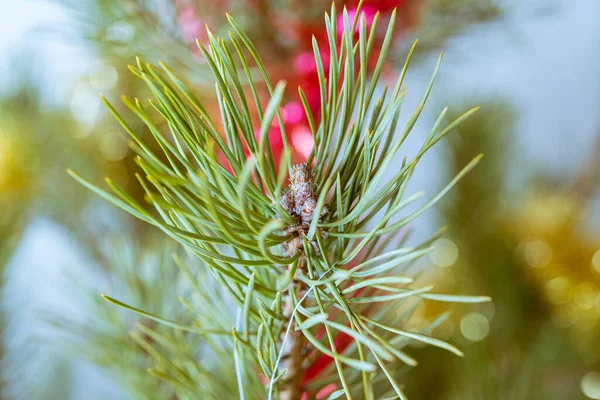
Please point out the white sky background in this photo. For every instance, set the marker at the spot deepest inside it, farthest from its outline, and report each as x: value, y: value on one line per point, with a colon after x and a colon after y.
x: 56, y: 62
x: 548, y: 65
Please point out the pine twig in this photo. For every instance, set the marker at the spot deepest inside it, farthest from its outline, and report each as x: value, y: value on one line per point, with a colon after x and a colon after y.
x: 294, y: 351
x: 221, y: 204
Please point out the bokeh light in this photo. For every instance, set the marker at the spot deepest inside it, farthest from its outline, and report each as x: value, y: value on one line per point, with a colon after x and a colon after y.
x: 474, y: 327
x: 590, y: 385
x: 113, y: 146
x: 537, y: 253
x: 85, y: 105
x: 584, y: 295
x: 103, y: 77
x: 596, y: 261
x: 445, y: 253
x: 557, y: 290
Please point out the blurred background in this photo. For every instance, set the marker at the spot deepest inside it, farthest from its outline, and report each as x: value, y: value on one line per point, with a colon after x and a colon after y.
x: 524, y: 227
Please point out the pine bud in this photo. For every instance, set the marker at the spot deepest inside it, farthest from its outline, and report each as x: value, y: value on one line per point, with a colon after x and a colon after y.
x: 300, y: 201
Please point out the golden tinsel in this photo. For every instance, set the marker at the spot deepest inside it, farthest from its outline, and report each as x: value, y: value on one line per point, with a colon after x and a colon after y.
x: 560, y: 253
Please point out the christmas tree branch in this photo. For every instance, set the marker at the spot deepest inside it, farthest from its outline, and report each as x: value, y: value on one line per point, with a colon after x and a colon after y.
x: 293, y: 352
x: 304, y: 263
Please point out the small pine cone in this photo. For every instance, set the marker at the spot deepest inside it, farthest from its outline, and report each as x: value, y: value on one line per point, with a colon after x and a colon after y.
x: 301, y: 174
x: 302, y: 193
x: 308, y: 210
x: 287, y: 202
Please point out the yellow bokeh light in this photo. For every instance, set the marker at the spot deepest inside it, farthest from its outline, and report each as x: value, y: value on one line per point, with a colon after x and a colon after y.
x: 474, y: 326
x: 557, y: 290
x: 445, y: 253
x: 596, y: 261
x: 538, y: 254
x: 590, y: 385
x: 113, y: 146
x: 584, y: 295
x: 488, y: 310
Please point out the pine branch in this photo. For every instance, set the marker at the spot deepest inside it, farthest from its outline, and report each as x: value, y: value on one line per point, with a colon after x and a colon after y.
x: 108, y: 336
x: 293, y: 352
x: 307, y: 265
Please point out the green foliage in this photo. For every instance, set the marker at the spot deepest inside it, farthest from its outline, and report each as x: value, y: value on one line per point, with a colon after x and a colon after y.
x: 136, y: 350
x: 224, y: 206
x: 105, y: 335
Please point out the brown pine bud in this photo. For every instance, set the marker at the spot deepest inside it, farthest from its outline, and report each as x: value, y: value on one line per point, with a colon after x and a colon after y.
x: 302, y: 193
x: 301, y: 174
x: 301, y: 184
x: 300, y: 202
x: 308, y: 210
x: 287, y: 202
